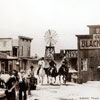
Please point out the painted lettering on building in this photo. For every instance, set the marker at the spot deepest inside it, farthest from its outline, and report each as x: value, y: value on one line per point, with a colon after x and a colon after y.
x: 93, y: 43
x: 96, y: 36
x: 89, y: 44
x: 71, y: 53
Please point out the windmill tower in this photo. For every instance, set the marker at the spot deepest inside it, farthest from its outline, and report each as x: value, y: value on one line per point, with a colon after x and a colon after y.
x: 51, y: 39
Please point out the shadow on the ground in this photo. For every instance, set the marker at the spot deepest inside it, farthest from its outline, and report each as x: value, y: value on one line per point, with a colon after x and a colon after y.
x: 68, y: 84
x: 51, y: 84
x: 63, y: 99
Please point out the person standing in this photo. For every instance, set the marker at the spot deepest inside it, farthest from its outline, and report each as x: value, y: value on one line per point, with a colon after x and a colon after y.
x: 22, y: 85
x: 10, y: 85
x: 31, y: 70
x: 30, y: 76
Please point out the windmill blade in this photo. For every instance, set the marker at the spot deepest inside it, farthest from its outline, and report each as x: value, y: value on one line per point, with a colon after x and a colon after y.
x: 53, y: 33
x: 50, y: 33
x: 54, y: 41
x: 50, y: 37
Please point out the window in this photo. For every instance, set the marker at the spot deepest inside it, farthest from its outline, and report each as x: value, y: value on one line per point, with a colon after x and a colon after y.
x: 15, y: 51
x: 3, y: 67
x: 84, y: 64
x: 28, y: 51
x: 21, y: 50
x: 97, y: 30
x: 4, y: 43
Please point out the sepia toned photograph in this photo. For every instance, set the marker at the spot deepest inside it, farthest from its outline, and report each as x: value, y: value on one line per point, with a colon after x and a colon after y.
x: 49, y: 50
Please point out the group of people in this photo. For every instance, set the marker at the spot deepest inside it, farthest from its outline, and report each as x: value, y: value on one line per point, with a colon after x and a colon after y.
x: 18, y: 83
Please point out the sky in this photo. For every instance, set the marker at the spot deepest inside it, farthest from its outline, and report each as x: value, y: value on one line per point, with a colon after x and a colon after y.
x: 33, y: 18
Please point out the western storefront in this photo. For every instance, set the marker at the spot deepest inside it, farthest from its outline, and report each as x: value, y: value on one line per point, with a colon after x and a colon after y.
x: 89, y: 55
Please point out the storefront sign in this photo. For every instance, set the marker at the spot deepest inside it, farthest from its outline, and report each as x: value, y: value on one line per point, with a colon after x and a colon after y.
x: 71, y: 53
x: 93, y: 43
x: 96, y: 36
x: 89, y: 44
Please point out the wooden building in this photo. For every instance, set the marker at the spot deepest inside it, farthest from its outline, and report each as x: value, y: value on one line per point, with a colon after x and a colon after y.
x: 14, y: 53
x: 24, y: 49
x: 89, y: 54
x: 70, y: 54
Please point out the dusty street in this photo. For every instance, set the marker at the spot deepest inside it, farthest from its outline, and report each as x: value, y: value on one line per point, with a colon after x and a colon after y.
x: 69, y: 91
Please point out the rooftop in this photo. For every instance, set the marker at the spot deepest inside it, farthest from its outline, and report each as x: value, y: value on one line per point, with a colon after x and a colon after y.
x: 24, y: 37
x: 93, y: 25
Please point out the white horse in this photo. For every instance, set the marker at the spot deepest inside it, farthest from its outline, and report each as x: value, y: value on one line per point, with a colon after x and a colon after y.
x: 41, y: 72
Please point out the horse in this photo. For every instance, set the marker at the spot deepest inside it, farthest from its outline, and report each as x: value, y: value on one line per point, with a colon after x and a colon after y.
x: 47, y: 73
x: 51, y: 71
x: 63, y: 71
x: 41, y: 72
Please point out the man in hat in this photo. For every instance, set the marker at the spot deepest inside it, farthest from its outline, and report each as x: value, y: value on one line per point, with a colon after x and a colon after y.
x: 30, y: 76
x: 30, y: 71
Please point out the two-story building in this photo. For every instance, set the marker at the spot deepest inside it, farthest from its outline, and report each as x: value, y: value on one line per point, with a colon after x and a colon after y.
x: 14, y: 53
x: 89, y: 54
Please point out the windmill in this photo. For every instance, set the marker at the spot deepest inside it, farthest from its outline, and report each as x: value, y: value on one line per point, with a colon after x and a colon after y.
x: 50, y: 39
